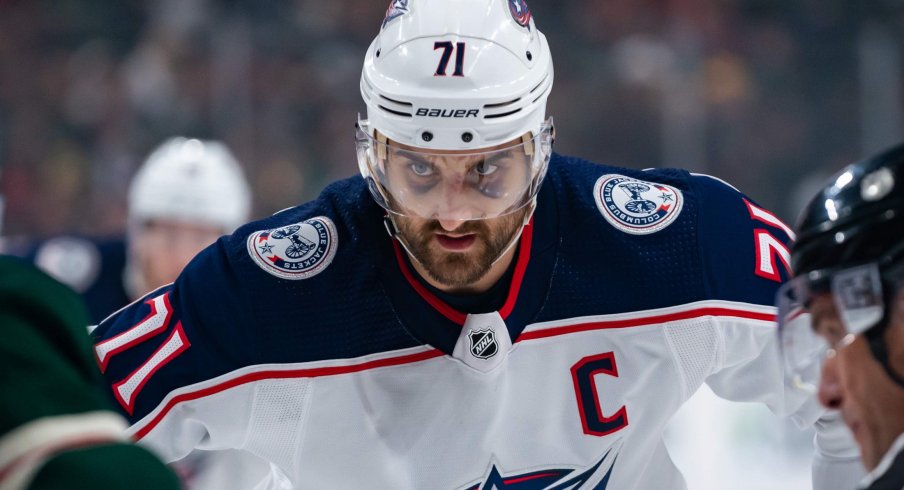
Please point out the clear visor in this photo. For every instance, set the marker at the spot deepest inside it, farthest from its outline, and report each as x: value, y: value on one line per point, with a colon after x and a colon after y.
x: 454, y: 185
x: 823, y: 310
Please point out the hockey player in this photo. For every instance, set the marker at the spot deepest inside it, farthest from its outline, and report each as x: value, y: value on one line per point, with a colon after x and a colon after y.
x: 473, y: 311
x: 187, y: 194
x: 845, y: 309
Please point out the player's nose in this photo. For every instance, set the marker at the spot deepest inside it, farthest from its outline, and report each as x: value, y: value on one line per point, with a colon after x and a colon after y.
x: 450, y: 223
x: 830, y: 393
x: 453, y: 207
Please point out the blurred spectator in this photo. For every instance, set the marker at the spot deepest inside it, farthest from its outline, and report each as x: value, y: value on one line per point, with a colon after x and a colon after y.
x: 187, y: 194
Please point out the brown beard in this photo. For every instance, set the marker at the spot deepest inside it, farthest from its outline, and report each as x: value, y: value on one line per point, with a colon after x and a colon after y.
x: 460, y: 269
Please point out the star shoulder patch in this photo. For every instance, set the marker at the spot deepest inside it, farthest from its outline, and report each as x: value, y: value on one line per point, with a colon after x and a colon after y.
x: 635, y: 206
x: 298, y: 251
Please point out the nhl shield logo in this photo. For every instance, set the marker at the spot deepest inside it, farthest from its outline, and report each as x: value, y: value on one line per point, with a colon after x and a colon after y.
x: 297, y: 251
x: 636, y: 206
x: 483, y: 343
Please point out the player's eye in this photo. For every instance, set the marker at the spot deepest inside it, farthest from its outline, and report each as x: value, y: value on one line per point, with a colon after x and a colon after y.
x: 485, y: 168
x: 421, y: 169
x: 829, y: 329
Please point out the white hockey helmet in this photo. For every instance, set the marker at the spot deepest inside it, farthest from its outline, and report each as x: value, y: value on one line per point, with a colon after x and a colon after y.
x: 191, y: 181
x: 455, y: 75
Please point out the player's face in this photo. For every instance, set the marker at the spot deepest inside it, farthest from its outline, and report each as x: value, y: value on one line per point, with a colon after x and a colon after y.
x: 163, y: 248
x: 855, y: 383
x: 443, y: 198
x: 458, y: 254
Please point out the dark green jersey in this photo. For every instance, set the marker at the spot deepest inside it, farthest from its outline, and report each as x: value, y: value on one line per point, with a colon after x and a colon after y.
x: 57, y: 429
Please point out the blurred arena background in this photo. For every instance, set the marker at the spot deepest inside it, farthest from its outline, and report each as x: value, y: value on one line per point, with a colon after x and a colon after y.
x: 763, y: 93
x: 770, y: 95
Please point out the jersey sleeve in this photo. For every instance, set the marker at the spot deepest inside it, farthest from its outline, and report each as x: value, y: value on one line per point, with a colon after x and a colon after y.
x: 744, y: 247
x: 161, y: 350
x: 745, y: 250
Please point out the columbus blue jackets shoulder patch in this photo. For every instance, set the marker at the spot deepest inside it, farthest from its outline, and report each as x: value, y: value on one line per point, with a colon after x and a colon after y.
x: 296, y: 251
x: 636, y: 206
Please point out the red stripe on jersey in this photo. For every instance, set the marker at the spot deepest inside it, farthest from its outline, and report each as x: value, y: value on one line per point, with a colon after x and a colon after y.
x: 641, y: 321
x: 455, y: 315
x: 437, y: 304
x: 520, y: 267
x: 287, y: 374
x: 512, y: 481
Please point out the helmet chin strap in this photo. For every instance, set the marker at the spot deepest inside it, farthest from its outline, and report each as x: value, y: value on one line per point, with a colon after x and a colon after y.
x: 393, y: 230
x: 876, y: 340
x: 517, y: 235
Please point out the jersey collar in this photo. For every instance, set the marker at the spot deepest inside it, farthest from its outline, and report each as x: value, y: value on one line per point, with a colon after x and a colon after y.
x: 448, y: 311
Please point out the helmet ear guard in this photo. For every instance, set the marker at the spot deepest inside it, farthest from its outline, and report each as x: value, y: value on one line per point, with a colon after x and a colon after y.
x: 371, y: 153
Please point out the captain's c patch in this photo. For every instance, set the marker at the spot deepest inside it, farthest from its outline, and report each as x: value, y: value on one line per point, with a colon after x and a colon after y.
x: 297, y: 251
x: 636, y: 206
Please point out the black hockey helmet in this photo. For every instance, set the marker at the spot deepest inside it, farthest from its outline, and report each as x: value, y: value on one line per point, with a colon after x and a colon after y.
x: 850, y: 244
x: 857, y: 217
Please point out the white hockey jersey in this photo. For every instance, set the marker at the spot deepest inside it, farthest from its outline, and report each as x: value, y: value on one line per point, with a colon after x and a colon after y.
x: 307, y: 340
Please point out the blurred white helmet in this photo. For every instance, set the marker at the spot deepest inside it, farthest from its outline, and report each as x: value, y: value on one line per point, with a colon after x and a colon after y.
x: 192, y: 181
x: 456, y: 75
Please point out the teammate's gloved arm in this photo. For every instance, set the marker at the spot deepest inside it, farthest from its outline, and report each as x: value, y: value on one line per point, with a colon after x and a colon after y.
x: 836, y: 462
